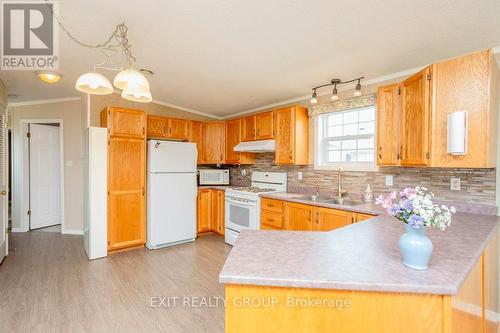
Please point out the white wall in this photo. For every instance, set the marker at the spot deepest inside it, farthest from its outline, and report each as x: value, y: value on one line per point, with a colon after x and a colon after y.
x: 71, y: 112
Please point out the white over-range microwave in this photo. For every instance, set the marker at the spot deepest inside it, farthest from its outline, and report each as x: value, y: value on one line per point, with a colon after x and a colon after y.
x: 213, y: 176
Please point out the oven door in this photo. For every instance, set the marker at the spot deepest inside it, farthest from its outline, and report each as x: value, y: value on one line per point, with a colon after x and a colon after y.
x: 241, y: 214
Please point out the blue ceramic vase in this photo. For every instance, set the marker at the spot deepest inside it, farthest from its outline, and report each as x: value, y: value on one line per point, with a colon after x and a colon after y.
x: 416, y: 248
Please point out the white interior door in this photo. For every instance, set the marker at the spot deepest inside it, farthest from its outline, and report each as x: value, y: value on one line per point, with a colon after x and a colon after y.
x: 45, y: 180
x: 3, y: 187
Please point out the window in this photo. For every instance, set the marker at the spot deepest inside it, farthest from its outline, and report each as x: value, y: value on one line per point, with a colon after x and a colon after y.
x: 346, y: 139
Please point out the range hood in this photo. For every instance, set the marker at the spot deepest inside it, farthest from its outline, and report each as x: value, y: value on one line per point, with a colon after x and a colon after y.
x: 261, y: 146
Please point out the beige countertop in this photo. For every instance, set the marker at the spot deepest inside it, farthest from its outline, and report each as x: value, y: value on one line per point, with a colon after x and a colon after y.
x: 365, y: 208
x: 214, y: 187
x: 361, y: 256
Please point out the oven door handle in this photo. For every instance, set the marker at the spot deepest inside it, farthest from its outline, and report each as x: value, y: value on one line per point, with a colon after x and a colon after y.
x: 242, y: 203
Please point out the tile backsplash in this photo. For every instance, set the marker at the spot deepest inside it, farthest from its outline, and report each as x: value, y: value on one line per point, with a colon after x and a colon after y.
x: 477, y: 185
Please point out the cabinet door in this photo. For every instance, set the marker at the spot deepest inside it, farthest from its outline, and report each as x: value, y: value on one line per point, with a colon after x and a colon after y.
x: 177, y: 129
x: 248, y: 130
x: 203, y: 211
x: 195, y: 136
x: 125, y: 122
x: 285, y: 136
x: 233, y: 137
x: 213, y: 142
x: 358, y: 217
x: 388, y: 150
x: 264, y: 125
x: 415, y: 119
x: 157, y: 127
x: 217, y: 216
x: 298, y: 217
x: 126, y: 187
x: 327, y: 219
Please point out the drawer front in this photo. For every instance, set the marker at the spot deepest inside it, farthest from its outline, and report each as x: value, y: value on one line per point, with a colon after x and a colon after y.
x: 268, y: 227
x: 272, y: 205
x: 271, y: 219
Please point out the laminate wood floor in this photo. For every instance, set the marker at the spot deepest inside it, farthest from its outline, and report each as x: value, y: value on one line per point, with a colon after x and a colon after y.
x: 48, y: 285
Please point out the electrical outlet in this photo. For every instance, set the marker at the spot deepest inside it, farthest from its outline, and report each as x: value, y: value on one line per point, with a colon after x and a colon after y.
x: 455, y: 184
x: 300, y: 175
x: 389, y: 180
x: 243, y: 172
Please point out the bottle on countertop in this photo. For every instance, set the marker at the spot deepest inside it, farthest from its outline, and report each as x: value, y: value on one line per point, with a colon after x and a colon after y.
x: 368, y: 194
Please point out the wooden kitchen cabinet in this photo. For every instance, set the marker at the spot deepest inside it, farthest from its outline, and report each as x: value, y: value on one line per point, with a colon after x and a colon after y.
x: 292, y: 136
x: 210, y: 211
x: 203, y: 211
x: 217, y: 216
x: 264, y: 124
x: 213, y: 142
x: 248, y: 128
x: 298, y: 217
x: 358, y: 217
x: 326, y: 219
x: 233, y: 138
x: 126, y: 177
x: 177, y: 129
x: 271, y: 214
x: 388, y: 147
x: 195, y: 135
x: 157, y: 127
x: 415, y: 119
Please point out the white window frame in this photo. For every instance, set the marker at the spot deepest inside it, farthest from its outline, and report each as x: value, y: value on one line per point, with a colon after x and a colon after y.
x: 320, y: 147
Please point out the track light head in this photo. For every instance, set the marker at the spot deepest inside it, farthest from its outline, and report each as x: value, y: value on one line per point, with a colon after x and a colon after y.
x: 357, y: 92
x: 335, y: 95
x: 314, y: 97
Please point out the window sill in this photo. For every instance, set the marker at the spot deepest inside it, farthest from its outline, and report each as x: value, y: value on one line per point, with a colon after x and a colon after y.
x: 347, y: 167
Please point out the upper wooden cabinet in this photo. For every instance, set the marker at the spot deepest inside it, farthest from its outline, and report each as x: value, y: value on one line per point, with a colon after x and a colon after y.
x: 248, y: 129
x: 195, y: 135
x: 258, y: 127
x: 213, y: 142
x: 233, y: 137
x: 124, y: 122
x: 169, y: 128
x: 415, y: 119
x: 264, y: 124
x: 292, y: 135
x: 388, y: 149
x: 420, y: 110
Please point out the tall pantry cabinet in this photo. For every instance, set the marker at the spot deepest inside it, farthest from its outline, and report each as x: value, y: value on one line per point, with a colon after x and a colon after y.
x: 126, y: 176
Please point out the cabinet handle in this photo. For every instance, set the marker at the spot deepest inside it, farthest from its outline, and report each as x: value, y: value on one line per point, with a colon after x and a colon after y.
x: 380, y: 152
x: 317, y: 217
x: 310, y: 216
x: 170, y: 130
x: 258, y: 132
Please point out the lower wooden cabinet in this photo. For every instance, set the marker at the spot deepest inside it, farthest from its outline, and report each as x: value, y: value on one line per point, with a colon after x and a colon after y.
x: 210, y: 211
x: 281, y: 215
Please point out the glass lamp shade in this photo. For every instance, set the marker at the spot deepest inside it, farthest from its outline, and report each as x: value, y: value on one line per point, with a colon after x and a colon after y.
x: 94, y: 84
x: 141, y: 97
x: 131, y: 80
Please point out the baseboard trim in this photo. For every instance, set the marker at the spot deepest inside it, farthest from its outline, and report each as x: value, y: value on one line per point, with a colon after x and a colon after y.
x: 72, y: 232
x: 19, y: 230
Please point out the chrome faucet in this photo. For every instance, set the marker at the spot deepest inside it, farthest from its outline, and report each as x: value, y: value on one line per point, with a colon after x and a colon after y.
x: 340, y: 191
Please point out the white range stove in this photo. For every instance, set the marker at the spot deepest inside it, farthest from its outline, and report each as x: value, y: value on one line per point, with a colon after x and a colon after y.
x: 242, y: 210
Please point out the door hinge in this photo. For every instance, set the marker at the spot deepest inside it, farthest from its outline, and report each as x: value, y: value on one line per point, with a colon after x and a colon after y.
x: 429, y: 76
x: 427, y: 155
x: 399, y: 91
x: 109, y: 243
x: 29, y: 212
x: 143, y: 191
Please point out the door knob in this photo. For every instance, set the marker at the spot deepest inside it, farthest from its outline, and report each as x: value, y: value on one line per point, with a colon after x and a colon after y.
x: 3, y: 193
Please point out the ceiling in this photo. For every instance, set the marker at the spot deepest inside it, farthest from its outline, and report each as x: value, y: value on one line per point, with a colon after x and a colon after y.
x: 223, y: 57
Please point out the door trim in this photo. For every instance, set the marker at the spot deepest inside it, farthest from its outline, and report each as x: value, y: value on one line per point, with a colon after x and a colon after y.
x: 18, y: 181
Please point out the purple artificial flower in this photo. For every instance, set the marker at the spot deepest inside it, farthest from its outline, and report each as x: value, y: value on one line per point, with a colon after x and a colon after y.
x: 416, y: 221
x: 408, y: 193
x: 407, y: 205
x: 394, y: 210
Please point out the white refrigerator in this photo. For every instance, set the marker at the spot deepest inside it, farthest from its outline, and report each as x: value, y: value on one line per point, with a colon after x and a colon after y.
x: 171, y: 196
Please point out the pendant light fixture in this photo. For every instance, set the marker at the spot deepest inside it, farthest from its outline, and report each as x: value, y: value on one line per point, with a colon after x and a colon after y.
x: 335, y: 83
x: 94, y: 84
x: 133, y: 84
x: 141, y: 97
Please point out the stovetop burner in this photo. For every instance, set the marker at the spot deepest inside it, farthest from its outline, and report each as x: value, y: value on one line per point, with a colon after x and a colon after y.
x: 253, y: 189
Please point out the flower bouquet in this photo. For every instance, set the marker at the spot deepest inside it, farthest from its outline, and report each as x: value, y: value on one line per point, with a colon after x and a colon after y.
x: 415, y: 209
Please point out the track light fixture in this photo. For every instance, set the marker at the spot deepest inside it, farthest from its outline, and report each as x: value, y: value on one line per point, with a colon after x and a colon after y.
x: 335, y: 83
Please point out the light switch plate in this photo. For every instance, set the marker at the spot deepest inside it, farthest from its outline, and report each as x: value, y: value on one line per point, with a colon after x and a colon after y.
x: 455, y: 184
x: 389, y: 180
x: 300, y: 175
